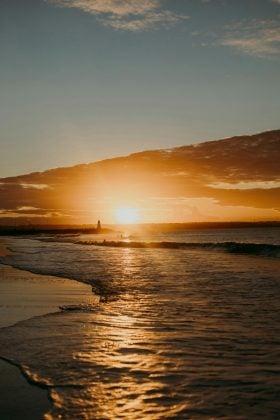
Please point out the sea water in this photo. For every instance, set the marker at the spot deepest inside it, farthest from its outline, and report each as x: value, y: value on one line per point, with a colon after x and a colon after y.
x: 178, y: 332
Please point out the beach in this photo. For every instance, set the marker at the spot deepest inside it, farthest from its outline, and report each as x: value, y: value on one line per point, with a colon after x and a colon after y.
x: 19, y: 399
x: 25, y: 295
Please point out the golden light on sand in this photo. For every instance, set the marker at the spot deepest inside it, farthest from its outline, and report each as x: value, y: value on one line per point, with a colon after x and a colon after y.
x: 127, y: 215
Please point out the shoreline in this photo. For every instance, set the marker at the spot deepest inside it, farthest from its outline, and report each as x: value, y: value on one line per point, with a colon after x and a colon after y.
x: 24, y: 295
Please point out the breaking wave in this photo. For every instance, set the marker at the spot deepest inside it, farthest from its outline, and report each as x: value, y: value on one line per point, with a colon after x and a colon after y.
x: 259, y: 249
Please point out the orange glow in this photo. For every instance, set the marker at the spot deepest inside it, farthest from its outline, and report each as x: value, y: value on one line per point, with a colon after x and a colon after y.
x: 189, y: 184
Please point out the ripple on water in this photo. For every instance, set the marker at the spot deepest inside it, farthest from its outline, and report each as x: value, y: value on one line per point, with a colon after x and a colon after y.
x: 189, y: 335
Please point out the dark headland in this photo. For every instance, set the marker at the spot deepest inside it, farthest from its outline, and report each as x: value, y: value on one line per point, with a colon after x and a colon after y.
x: 53, y: 229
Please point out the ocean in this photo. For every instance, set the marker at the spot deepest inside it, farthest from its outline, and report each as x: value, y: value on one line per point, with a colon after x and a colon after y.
x: 185, y: 325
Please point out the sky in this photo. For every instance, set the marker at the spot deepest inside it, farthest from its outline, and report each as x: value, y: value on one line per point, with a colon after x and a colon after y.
x: 84, y: 80
x: 236, y: 179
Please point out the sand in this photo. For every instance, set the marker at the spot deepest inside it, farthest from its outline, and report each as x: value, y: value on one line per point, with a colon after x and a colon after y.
x: 24, y: 295
x: 20, y: 400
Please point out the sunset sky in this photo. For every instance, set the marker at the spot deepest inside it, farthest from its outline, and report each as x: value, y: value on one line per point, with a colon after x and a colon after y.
x: 235, y: 179
x: 86, y: 80
x: 82, y: 80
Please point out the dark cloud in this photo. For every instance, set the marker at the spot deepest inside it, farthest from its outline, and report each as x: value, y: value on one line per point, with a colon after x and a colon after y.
x: 246, y: 168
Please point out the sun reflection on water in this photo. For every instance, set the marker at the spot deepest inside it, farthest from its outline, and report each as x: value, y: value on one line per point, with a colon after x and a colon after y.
x: 175, y: 341
x: 127, y: 372
x: 127, y: 364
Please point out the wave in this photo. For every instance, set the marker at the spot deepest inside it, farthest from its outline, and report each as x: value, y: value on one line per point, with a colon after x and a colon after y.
x: 258, y: 249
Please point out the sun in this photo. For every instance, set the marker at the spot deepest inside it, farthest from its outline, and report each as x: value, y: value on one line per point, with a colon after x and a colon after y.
x: 127, y: 215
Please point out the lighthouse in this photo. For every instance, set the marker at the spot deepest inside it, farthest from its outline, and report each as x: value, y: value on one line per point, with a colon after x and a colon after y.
x: 98, y: 226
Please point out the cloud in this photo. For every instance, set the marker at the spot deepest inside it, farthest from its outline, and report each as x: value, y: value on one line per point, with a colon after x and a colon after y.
x: 243, y: 185
x: 115, y: 7
x: 35, y: 186
x: 240, y: 172
x: 128, y: 15
x: 260, y: 38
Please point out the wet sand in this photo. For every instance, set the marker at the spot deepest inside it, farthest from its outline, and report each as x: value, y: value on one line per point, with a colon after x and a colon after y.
x: 19, y: 399
x: 24, y: 295
x: 3, y: 248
